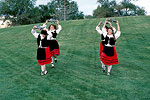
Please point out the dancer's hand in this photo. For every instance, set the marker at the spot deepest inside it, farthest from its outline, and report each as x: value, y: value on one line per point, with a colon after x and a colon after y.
x: 34, y: 27
x: 57, y: 22
x: 46, y: 21
x: 106, y: 20
x: 118, y: 27
x: 105, y: 23
x: 99, y: 23
x: 117, y: 22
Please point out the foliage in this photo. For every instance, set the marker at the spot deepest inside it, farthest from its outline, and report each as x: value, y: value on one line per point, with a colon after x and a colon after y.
x: 65, y: 9
x: 110, y: 8
x: 25, y: 11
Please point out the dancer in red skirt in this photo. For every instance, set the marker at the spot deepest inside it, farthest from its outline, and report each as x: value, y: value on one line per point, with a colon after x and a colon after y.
x: 53, y: 31
x: 109, y: 54
x: 43, y: 51
x: 102, y: 43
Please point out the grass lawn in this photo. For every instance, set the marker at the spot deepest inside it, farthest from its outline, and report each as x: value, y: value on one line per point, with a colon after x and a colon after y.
x: 77, y: 75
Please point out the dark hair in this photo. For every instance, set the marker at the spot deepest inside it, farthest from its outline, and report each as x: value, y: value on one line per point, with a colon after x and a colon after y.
x: 112, y: 32
x: 106, y: 27
x: 52, y: 25
x: 44, y: 32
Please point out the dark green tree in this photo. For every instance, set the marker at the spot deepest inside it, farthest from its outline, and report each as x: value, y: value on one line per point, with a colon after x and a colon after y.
x: 109, y: 8
x: 20, y: 10
x: 25, y: 11
x: 105, y: 8
x: 129, y: 9
x: 65, y: 9
x: 46, y: 12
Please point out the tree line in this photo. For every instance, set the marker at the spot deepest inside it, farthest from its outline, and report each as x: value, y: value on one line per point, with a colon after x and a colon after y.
x: 112, y: 8
x: 26, y: 11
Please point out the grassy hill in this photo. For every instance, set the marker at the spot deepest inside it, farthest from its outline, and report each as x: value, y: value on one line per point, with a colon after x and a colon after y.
x: 77, y: 75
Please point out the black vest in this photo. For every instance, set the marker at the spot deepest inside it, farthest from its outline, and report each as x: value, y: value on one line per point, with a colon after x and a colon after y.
x: 44, y: 41
x: 54, y: 34
x: 110, y: 40
x: 102, y: 37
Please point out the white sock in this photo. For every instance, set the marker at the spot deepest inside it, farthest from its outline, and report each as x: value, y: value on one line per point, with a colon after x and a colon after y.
x: 109, y: 68
x: 43, y: 68
x: 55, y: 57
x: 103, y: 65
x: 52, y: 60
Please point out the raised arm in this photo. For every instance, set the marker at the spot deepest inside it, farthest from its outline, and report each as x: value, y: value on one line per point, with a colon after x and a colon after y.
x: 104, y: 30
x: 45, y: 24
x: 98, y: 28
x: 105, y: 24
x: 59, y: 27
x: 118, y: 30
x: 33, y: 31
x: 118, y: 27
x: 112, y: 27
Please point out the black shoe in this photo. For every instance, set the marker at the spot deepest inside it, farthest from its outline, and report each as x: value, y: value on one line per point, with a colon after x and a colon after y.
x: 53, y: 65
x: 103, y: 68
x: 55, y: 60
x: 108, y: 73
x: 103, y: 71
x: 44, y: 72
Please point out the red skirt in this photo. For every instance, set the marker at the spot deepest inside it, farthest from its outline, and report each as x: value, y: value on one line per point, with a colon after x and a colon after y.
x: 101, y: 48
x: 54, y: 47
x: 55, y: 52
x: 48, y: 59
x: 109, y: 60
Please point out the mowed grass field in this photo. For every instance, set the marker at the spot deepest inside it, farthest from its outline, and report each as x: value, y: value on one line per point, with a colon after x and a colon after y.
x: 78, y: 74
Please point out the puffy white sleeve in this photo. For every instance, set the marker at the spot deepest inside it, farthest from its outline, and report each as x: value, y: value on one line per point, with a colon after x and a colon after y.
x: 114, y: 30
x: 104, y: 32
x: 98, y: 30
x: 117, y: 35
x: 59, y: 29
x: 35, y: 34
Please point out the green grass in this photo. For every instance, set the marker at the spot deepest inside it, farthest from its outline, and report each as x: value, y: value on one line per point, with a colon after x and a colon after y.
x: 77, y: 75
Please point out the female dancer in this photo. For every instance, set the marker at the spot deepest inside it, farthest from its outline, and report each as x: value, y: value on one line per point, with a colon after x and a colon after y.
x: 43, y: 51
x: 102, y: 43
x: 109, y: 54
x: 52, y: 43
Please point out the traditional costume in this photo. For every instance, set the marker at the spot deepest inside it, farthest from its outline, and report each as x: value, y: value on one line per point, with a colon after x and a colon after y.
x: 52, y: 43
x: 108, y: 54
x: 43, y: 51
x: 102, y: 43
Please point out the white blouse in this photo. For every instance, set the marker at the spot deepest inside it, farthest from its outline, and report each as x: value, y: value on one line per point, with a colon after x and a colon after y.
x: 104, y: 32
x: 57, y: 31
x: 35, y: 34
